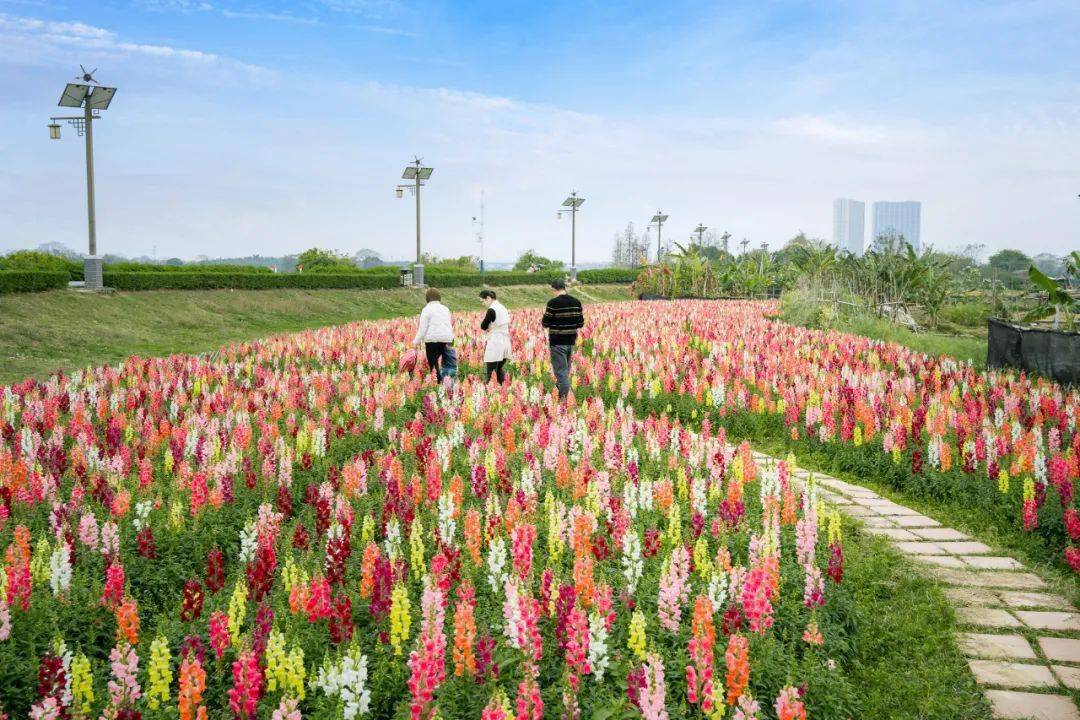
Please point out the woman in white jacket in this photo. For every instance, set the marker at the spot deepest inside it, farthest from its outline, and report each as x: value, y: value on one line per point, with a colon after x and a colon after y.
x: 497, y: 324
x: 436, y: 334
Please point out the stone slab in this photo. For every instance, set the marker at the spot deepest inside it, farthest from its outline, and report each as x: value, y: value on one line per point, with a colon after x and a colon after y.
x: 916, y: 521
x: 965, y: 547
x: 897, y: 511
x: 990, y: 562
x: 859, y: 511
x: 1019, y: 599
x: 1015, y: 705
x: 893, y: 533
x: 1006, y: 580
x: 1011, y: 674
x: 996, y: 647
x: 947, y: 561
x: 940, y: 533
x: 877, y: 522
x: 1069, y: 676
x: 924, y: 547
x: 1060, y: 649
x: 971, y: 596
x: 986, y: 617
x: 1050, y: 620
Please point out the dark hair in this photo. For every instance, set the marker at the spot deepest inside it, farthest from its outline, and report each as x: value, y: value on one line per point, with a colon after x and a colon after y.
x: 558, y: 284
x: 487, y: 294
x: 432, y: 294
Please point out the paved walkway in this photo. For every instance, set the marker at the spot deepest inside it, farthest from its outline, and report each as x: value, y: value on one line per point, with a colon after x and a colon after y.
x: 1022, y: 642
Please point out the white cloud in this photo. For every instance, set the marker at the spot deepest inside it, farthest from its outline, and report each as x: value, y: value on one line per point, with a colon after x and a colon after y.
x: 29, y: 38
x: 268, y: 16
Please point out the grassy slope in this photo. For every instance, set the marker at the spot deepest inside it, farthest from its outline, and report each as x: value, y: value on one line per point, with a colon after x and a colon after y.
x: 965, y: 343
x: 962, y: 347
x: 43, y: 332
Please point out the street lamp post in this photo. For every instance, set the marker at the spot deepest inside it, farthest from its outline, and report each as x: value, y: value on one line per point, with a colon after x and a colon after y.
x: 572, y: 203
x: 658, y: 220
x: 92, y: 99
x: 480, y: 236
x: 700, y: 230
x: 416, y: 172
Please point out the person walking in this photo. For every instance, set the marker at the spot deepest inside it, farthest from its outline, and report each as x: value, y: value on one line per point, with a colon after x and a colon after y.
x: 436, y: 334
x: 497, y: 324
x: 563, y: 318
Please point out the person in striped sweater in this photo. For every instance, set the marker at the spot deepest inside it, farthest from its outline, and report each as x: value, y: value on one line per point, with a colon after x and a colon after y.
x: 563, y: 317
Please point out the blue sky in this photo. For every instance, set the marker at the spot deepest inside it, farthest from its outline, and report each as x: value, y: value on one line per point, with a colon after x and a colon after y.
x: 245, y: 126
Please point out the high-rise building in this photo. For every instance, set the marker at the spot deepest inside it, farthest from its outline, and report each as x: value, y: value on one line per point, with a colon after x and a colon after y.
x: 848, y: 223
x: 899, y: 220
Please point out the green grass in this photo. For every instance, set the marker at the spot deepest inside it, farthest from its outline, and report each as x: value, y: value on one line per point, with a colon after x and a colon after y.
x: 968, y: 347
x: 905, y: 661
x: 43, y: 332
x: 962, y: 342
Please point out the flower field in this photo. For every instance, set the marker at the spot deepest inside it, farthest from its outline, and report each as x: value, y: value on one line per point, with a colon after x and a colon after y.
x: 291, y: 528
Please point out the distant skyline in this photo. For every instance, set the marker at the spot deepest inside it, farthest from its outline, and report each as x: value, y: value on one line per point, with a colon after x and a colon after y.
x: 849, y: 225
x: 899, y: 219
x: 264, y: 126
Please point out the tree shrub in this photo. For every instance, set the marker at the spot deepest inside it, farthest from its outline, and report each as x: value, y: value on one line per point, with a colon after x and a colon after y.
x: 246, y: 280
x: 609, y: 275
x: 128, y: 267
x: 23, y: 281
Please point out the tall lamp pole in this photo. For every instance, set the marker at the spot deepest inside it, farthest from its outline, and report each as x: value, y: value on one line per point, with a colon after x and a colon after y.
x: 92, y: 98
x: 658, y: 220
x: 480, y: 236
x: 572, y: 203
x: 416, y: 172
x: 700, y: 230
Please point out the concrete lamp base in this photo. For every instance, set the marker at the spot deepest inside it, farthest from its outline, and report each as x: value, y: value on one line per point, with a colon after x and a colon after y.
x: 418, y: 275
x: 92, y: 273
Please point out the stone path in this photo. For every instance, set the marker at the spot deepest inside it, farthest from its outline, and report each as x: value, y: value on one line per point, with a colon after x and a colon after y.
x: 1022, y: 641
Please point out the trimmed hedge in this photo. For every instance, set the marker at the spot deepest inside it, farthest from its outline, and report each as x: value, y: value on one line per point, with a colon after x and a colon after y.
x: 361, y: 280
x: 498, y: 278
x: 137, y: 267
x: 609, y: 275
x: 23, y: 281
x: 246, y: 281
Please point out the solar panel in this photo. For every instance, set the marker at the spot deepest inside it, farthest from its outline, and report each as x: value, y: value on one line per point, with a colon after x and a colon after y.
x: 659, y: 218
x: 100, y: 98
x: 573, y: 202
x: 73, y: 95
x: 409, y: 174
x: 425, y: 173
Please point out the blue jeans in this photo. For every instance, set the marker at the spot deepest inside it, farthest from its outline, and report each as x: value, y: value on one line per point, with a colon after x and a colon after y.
x: 560, y: 364
x: 449, y: 363
x: 442, y: 359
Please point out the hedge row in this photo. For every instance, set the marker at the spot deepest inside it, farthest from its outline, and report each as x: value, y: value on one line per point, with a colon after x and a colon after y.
x: 133, y: 267
x: 351, y: 280
x: 186, y: 279
x: 23, y: 281
x: 245, y: 281
x: 454, y: 278
x: 608, y: 275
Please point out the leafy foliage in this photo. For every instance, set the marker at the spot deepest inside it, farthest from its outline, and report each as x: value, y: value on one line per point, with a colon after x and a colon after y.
x: 20, y: 281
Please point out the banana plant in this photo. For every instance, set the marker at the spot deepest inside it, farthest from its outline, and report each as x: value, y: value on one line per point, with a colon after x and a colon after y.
x: 1058, y: 301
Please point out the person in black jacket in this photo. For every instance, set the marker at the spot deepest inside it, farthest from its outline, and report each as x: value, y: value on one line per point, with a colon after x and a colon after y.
x: 562, y: 318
